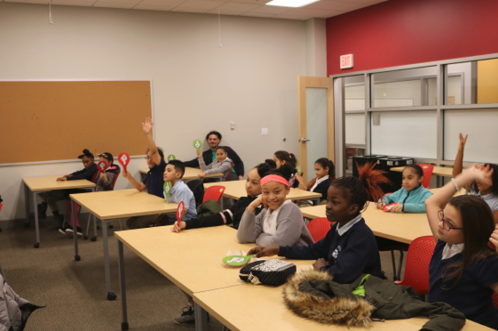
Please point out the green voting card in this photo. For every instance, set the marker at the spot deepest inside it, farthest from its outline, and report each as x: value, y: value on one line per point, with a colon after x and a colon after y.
x: 167, y: 190
x: 237, y: 260
x: 197, y: 144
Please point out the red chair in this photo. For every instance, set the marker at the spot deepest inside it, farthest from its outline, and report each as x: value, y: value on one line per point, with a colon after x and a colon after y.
x: 495, y: 299
x: 428, y: 169
x: 214, y: 193
x: 417, y: 264
x: 230, y: 172
x: 318, y: 228
x: 1, y: 206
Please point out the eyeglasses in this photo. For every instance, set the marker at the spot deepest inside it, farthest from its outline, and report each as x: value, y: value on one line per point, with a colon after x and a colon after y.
x: 148, y: 158
x: 447, y: 226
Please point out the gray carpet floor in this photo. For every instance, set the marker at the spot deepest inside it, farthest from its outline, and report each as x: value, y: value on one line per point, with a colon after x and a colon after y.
x: 74, y: 292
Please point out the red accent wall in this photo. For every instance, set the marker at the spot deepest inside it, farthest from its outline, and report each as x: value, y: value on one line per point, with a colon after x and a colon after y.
x: 400, y: 32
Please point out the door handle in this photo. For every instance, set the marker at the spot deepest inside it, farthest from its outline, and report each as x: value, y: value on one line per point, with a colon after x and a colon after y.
x: 303, y: 140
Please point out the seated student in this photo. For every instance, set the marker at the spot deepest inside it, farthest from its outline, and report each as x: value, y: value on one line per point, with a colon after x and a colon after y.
x: 50, y: 198
x: 463, y: 271
x: 349, y: 248
x: 325, y: 174
x: 153, y: 182
x: 281, y: 222
x: 271, y: 163
x: 232, y: 215
x: 488, y: 192
x: 411, y: 197
x: 105, y: 182
x: 214, y: 138
x: 179, y: 190
x: 221, y: 164
x: 283, y: 157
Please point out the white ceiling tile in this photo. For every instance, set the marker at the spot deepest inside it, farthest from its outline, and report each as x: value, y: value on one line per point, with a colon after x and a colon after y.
x: 83, y: 3
x: 152, y: 7
x: 271, y: 10
x: 290, y: 17
x: 134, y: 2
x: 162, y: 3
x: 113, y: 5
x: 256, y: 2
x: 313, y: 13
x: 238, y: 6
x: 189, y: 10
x: 200, y: 4
x: 29, y: 1
x: 370, y: 2
x: 252, y: 14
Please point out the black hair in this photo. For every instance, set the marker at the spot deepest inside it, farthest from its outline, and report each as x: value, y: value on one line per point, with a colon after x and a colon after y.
x: 159, y: 150
x: 222, y: 148
x: 272, y: 164
x: 363, y: 188
x: 263, y: 169
x: 179, y: 166
x: 285, y: 170
x: 287, y: 157
x: 216, y: 133
x: 418, y: 169
x: 494, y: 179
x: 324, y: 162
x: 87, y: 153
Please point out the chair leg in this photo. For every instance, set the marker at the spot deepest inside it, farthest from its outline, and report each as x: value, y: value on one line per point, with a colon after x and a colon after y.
x: 94, y: 238
x: 400, y: 264
x: 395, y: 278
x: 120, y: 225
x: 88, y: 226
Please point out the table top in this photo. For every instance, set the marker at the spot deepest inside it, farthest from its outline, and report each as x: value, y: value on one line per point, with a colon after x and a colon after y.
x: 190, y: 173
x: 50, y: 183
x: 122, y: 203
x: 438, y: 171
x: 259, y: 307
x: 236, y: 189
x: 192, y: 259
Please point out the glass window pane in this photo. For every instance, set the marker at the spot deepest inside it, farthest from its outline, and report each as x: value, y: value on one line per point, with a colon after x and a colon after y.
x: 480, y: 125
x: 355, y: 129
x: 404, y: 88
x: 316, y: 126
x: 406, y: 133
x: 354, y: 93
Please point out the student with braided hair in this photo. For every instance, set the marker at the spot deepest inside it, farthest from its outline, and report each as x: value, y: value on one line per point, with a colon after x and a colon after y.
x: 349, y: 248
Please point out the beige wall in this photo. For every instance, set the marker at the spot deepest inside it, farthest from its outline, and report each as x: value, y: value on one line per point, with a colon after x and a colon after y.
x: 197, y: 85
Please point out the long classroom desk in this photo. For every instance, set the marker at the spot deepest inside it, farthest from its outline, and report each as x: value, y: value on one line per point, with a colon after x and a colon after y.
x: 190, y: 173
x: 236, y: 189
x: 37, y: 185
x: 111, y: 205
x: 262, y: 308
x: 438, y: 171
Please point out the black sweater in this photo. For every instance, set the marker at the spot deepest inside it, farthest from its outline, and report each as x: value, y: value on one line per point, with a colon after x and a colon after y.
x: 208, y: 158
x: 84, y: 173
x: 237, y: 210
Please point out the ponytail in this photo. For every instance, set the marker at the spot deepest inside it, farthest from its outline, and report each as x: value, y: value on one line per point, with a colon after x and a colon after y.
x: 287, y: 157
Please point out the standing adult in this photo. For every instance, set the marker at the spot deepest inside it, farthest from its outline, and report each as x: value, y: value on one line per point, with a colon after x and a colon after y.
x: 214, y: 138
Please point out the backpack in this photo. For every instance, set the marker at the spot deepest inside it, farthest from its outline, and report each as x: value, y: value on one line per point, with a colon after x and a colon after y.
x: 267, y: 272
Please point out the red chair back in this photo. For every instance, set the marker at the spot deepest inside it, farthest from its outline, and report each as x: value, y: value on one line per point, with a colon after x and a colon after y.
x: 417, y: 264
x: 318, y: 228
x: 428, y: 169
x: 94, y: 177
x: 230, y: 172
x: 214, y: 193
x: 495, y: 299
x: 114, y: 181
x: 1, y: 206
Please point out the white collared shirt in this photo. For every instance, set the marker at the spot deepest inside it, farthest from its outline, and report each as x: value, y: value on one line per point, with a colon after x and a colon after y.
x: 270, y: 221
x: 450, y: 250
x: 348, y: 225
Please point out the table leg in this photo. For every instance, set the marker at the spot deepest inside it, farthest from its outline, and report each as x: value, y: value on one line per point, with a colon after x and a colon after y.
x: 37, y: 227
x: 201, y: 322
x: 110, y: 295
x: 221, y: 202
x: 75, y: 232
x: 26, y: 203
x: 94, y: 238
x: 124, y: 312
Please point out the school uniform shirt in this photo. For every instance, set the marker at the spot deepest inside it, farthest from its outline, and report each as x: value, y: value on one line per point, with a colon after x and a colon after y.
x: 215, y: 166
x: 472, y: 295
x: 209, y: 155
x: 491, y: 199
x: 350, y: 251
x: 181, y: 192
x: 154, y: 181
x: 84, y: 173
x: 321, y: 186
x: 230, y: 216
x: 413, y: 201
x: 290, y: 228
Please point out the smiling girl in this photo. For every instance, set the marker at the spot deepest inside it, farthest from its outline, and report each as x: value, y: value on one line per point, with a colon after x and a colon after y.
x: 463, y: 270
x: 411, y: 197
x: 281, y: 222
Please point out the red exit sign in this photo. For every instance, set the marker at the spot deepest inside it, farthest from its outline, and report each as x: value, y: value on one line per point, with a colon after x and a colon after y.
x: 346, y: 61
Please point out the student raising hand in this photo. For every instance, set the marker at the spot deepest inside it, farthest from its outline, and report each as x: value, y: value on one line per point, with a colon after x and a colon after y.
x: 147, y: 126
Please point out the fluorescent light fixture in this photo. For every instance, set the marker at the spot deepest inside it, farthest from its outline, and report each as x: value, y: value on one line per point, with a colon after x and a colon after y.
x: 290, y: 3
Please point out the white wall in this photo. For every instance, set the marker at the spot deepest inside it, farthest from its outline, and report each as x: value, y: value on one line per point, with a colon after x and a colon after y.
x: 198, y: 86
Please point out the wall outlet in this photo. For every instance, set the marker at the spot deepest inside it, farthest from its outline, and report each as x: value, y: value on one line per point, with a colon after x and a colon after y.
x: 264, y: 131
x: 232, y: 125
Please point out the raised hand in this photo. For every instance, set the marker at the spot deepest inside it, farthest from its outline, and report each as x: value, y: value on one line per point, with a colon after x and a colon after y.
x: 147, y: 126
x: 461, y: 145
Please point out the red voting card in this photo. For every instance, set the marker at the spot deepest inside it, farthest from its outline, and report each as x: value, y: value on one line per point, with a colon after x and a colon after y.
x: 388, y: 207
x: 124, y: 159
x: 179, y: 212
x: 102, y: 166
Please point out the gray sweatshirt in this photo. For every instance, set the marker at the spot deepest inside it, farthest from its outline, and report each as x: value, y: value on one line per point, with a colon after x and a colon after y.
x: 291, y: 229
x: 215, y: 166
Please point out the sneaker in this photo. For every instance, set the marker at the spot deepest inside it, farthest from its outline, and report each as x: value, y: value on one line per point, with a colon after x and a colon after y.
x: 187, y: 316
x: 79, y: 232
x: 63, y: 229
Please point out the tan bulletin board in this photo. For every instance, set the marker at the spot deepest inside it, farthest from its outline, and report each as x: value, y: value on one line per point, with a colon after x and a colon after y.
x: 56, y: 120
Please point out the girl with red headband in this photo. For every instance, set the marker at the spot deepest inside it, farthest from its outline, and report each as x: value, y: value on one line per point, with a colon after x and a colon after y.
x: 281, y: 222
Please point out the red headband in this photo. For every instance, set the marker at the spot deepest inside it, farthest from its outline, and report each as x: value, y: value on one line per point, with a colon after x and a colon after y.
x: 274, y: 178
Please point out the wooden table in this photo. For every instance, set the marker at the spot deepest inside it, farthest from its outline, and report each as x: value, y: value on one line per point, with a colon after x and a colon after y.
x: 111, y: 205
x: 36, y: 185
x: 438, y: 171
x: 235, y: 189
x: 190, y: 173
x: 191, y: 259
x: 259, y: 307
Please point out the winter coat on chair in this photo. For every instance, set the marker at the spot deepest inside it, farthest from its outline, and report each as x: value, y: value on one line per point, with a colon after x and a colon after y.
x: 313, y: 295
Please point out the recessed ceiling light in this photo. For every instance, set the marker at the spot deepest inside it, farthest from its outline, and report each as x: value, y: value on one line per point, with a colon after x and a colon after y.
x: 290, y: 3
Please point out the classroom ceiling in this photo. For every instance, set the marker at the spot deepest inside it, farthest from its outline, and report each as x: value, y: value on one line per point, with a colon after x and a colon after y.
x: 254, y: 8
